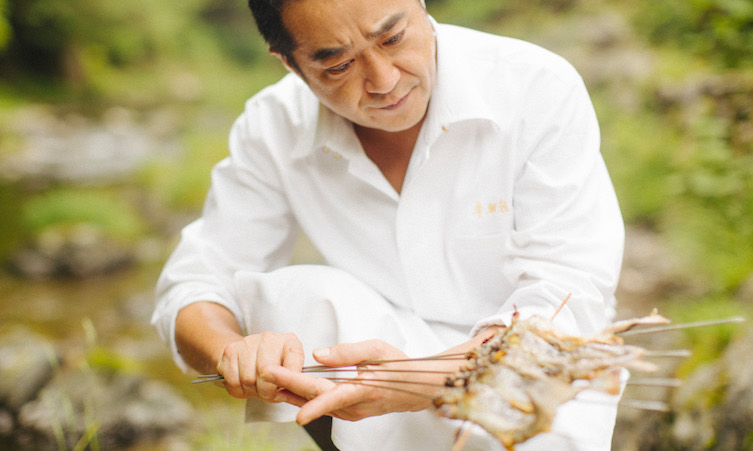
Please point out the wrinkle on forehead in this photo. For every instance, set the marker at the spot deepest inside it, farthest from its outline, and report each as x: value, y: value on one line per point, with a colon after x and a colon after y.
x: 386, y: 26
x: 324, y: 29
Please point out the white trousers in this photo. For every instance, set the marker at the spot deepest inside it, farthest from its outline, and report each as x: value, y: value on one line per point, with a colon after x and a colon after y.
x: 324, y: 306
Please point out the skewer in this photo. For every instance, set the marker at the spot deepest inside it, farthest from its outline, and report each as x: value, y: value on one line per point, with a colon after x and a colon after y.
x: 680, y: 353
x: 654, y: 406
x: 325, y: 369
x: 456, y: 356
x: 378, y: 370
x: 668, y: 327
x: 200, y: 379
x: 390, y: 381
x: 655, y: 382
x: 386, y: 387
x: 648, y: 382
x: 464, y: 433
x: 562, y: 304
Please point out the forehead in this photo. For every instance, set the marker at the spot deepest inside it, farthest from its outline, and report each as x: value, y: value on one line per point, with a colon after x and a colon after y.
x: 319, y: 26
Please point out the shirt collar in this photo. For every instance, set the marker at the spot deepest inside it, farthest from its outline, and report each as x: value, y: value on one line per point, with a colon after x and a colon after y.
x: 457, y: 94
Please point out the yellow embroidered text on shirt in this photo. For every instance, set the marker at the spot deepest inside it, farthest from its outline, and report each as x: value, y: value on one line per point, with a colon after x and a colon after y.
x: 335, y: 155
x: 481, y: 209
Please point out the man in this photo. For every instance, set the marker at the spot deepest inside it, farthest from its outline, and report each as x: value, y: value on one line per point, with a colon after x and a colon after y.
x: 448, y: 178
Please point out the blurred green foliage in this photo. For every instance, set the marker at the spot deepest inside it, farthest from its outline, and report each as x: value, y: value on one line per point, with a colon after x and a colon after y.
x: 68, y: 208
x: 183, y: 185
x: 706, y: 343
x: 683, y: 170
x: 82, y: 43
x: 5, y: 30
x: 721, y: 30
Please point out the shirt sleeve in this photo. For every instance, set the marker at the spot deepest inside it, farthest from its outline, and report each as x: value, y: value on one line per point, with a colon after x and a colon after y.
x: 246, y: 224
x: 568, y: 232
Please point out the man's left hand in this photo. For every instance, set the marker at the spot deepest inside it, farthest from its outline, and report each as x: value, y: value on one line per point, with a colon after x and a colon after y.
x: 365, y: 397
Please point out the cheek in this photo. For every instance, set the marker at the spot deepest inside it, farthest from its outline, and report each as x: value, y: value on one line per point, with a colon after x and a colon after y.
x: 348, y: 95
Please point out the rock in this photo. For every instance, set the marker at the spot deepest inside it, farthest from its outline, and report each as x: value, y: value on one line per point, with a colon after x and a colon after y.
x: 26, y: 364
x: 693, y: 427
x: 52, y: 147
x: 6, y: 423
x: 736, y: 412
x: 712, y: 410
x: 745, y: 291
x: 117, y: 410
x: 82, y: 251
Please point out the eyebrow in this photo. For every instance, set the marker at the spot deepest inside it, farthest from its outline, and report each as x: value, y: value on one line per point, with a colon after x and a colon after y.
x: 330, y: 52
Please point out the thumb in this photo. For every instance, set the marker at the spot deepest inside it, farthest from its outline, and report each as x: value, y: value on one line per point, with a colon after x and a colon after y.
x: 347, y: 354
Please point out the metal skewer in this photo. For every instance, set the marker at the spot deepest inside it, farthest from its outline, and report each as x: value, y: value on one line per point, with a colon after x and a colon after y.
x: 325, y: 369
x: 389, y: 381
x: 680, y: 353
x: 654, y: 406
x: 668, y: 327
x: 655, y: 382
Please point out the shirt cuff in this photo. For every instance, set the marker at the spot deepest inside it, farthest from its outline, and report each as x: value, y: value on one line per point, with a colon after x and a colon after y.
x: 504, y: 318
x: 166, y: 314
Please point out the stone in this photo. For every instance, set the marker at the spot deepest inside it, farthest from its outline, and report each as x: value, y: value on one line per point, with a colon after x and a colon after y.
x: 26, y: 363
x: 118, y: 409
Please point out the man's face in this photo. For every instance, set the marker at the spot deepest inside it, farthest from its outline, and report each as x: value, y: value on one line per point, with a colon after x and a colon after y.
x: 370, y: 61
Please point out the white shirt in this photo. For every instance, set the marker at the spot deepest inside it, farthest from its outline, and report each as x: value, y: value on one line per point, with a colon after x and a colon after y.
x: 507, y: 203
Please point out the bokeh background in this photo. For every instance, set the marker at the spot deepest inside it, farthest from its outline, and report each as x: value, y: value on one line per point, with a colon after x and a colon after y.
x: 112, y: 114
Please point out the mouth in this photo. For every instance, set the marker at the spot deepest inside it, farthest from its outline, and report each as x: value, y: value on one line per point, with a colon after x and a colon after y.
x: 396, y: 105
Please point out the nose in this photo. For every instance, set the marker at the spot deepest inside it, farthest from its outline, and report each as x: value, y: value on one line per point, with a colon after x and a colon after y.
x: 380, y: 74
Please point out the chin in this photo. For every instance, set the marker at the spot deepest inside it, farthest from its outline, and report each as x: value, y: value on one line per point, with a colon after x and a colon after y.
x: 395, y: 126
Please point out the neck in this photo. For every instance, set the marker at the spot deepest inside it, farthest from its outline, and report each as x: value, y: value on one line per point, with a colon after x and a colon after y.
x: 402, y: 141
x: 390, y: 151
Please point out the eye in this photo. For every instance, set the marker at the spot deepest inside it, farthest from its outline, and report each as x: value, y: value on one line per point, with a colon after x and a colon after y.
x: 394, y: 39
x: 336, y: 70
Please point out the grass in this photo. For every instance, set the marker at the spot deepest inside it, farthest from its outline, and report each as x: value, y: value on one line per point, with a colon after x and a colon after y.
x: 66, y: 208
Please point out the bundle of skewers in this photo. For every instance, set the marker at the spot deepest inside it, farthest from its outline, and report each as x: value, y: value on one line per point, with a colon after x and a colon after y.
x: 513, y: 384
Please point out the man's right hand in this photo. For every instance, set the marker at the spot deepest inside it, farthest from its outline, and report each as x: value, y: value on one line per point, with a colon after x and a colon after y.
x: 244, y: 363
x: 210, y: 340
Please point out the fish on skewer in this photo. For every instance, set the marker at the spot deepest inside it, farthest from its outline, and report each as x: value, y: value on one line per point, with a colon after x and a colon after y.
x: 516, y: 380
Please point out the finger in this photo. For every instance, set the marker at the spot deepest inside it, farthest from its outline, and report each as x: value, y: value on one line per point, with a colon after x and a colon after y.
x: 247, y: 372
x: 290, y: 398
x: 341, y: 397
x: 293, y: 356
x: 351, y: 353
x: 228, y: 368
x: 300, y: 384
x: 232, y: 366
x: 269, y: 354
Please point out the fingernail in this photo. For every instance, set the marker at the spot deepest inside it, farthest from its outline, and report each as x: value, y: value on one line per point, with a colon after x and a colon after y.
x: 321, y: 352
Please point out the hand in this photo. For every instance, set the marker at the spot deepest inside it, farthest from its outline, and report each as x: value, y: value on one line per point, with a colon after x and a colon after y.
x: 319, y: 396
x: 245, y: 363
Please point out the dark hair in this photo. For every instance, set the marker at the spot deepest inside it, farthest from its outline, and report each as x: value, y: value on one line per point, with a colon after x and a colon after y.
x: 268, y: 17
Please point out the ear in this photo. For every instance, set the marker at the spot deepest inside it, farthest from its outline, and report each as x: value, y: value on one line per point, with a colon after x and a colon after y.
x: 284, y: 60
